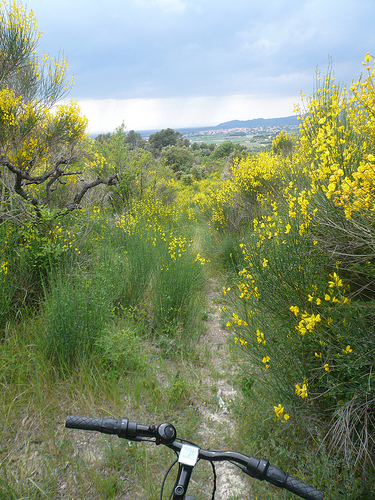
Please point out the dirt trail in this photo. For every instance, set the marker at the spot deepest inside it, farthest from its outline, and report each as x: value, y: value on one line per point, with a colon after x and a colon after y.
x: 231, y: 482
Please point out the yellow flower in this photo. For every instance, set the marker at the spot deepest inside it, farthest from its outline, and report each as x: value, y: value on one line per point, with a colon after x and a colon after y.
x: 336, y: 281
x: 266, y: 360
x: 260, y: 337
x: 348, y: 349
x: 279, y: 410
x: 326, y: 367
x: 4, y: 268
x: 301, y: 391
x: 367, y: 58
x: 265, y: 263
x: 294, y: 309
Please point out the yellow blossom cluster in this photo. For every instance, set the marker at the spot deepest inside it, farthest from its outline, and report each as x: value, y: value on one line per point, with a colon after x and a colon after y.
x: 335, y: 145
x: 31, y: 133
x: 241, y: 341
x: 247, y: 286
x: 201, y: 260
x: 301, y: 389
x: 236, y: 321
x: 266, y: 360
x: 307, y: 321
x: 20, y: 23
x: 260, y: 337
x: 4, y: 267
x: 258, y: 176
x: 176, y: 246
x: 280, y: 415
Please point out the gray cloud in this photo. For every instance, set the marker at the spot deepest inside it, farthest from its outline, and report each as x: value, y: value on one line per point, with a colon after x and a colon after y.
x: 147, y: 49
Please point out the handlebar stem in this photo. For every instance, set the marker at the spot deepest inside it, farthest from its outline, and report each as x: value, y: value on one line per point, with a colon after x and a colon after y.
x: 182, y: 482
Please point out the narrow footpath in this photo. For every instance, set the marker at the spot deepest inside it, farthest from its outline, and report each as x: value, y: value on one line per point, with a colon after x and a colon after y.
x: 218, y: 422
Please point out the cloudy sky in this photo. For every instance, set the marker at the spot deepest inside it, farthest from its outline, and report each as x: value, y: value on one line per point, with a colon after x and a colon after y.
x: 154, y: 64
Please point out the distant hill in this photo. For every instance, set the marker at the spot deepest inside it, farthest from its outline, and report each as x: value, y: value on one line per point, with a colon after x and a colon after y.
x: 259, y: 122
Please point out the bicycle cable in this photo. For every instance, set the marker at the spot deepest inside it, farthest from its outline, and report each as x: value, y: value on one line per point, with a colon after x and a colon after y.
x: 215, y: 477
x: 165, y: 478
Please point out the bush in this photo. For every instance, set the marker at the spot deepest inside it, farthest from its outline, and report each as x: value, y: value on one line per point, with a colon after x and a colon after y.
x: 302, y: 309
x: 76, y: 310
x: 31, y: 247
x: 177, y: 288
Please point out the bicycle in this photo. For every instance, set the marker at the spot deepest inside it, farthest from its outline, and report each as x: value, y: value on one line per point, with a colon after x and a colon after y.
x: 188, y: 454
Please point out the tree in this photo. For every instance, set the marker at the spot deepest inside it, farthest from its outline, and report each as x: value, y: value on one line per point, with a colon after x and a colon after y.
x: 134, y: 166
x: 228, y: 148
x: 40, y: 143
x: 111, y: 156
x: 103, y: 137
x: 135, y: 140
x: 178, y: 158
x: 164, y: 138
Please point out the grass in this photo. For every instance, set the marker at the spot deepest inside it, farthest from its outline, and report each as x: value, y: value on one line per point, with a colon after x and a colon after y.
x: 123, y: 369
x: 76, y: 310
x: 39, y: 458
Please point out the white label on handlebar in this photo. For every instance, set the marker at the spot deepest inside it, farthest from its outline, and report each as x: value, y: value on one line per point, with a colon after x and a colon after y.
x: 188, y: 455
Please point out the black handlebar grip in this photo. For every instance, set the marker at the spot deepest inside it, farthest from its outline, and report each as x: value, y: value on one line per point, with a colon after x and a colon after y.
x: 83, y: 423
x: 302, y: 490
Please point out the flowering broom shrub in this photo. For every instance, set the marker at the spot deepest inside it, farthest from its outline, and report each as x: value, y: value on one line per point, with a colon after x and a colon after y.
x: 31, y: 248
x: 163, y: 275
x: 302, y: 306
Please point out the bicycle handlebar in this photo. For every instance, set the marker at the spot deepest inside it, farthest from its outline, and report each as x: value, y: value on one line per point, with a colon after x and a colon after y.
x: 166, y: 434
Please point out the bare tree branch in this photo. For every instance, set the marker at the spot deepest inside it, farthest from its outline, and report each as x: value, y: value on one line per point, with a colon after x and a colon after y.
x: 111, y: 181
x: 24, y: 178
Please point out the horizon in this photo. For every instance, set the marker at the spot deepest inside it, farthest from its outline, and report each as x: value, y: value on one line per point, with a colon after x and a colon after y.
x: 106, y: 115
x: 200, y: 127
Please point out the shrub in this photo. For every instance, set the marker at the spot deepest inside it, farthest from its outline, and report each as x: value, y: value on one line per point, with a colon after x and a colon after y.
x: 177, y: 288
x: 302, y: 306
x: 76, y: 310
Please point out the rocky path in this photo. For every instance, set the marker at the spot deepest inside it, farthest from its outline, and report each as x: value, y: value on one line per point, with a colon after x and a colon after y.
x: 218, y: 422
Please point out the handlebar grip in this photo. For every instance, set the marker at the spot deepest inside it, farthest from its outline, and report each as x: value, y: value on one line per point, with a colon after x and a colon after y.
x: 123, y: 428
x: 83, y: 423
x: 262, y: 469
x: 302, y: 490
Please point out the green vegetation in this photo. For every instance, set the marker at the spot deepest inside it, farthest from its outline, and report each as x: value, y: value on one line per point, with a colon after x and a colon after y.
x: 102, y: 308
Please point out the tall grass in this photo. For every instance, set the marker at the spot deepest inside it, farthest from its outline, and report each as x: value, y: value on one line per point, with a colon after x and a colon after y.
x: 178, y: 293
x: 76, y: 309
x: 130, y: 261
x: 163, y: 278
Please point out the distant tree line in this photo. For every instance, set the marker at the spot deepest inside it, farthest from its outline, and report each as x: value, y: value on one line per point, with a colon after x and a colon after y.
x: 169, y: 148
